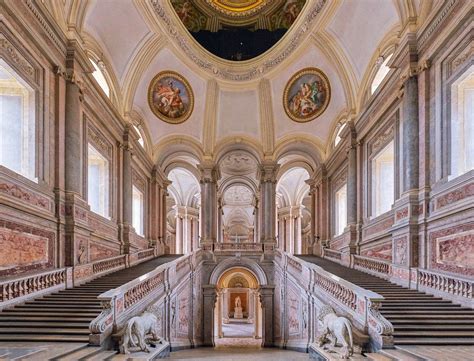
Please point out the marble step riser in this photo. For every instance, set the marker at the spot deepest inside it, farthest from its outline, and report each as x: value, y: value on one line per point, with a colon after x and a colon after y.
x: 44, y: 331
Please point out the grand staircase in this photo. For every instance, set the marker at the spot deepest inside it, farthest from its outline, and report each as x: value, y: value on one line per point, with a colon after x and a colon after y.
x: 65, y: 315
x: 417, y: 318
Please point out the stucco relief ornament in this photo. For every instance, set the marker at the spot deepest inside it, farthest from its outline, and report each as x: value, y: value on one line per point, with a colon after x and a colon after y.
x: 170, y: 97
x: 306, y: 95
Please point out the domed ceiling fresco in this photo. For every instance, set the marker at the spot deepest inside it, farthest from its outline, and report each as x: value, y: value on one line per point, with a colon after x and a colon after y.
x: 238, y: 29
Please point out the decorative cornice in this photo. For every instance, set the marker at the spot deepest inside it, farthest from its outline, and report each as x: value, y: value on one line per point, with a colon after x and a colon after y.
x: 10, y: 52
x: 226, y: 70
x: 436, y: 23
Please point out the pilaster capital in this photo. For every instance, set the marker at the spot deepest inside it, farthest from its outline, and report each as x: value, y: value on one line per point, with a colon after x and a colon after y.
x: 267, y: 171
x: 210, y: 172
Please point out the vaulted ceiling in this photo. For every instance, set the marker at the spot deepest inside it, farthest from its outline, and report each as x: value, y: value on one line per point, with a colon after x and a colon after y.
x: 238, y: 102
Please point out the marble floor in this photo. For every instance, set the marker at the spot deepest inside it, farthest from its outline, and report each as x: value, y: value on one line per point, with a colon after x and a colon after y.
x: 238, y: 354
x: 240, y: 329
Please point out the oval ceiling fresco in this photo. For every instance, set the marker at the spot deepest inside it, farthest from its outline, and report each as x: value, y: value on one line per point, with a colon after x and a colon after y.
x: 237, y: 30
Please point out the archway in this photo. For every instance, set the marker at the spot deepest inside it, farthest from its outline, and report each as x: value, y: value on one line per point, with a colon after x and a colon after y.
x: 238, y: 312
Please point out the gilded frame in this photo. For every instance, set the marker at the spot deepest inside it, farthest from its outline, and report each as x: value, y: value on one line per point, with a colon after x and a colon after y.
x: 185, y: 84
x: 295, y: 78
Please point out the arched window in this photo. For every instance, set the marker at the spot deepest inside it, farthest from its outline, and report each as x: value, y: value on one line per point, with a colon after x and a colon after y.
x: 462, y: 123
x: 340, y: 203
x: 381, y: 74
x: 338, y: 138
x: 98, y: 182
x: 17, y: 123
x: 140, y: 140
x: 99, y: 76
x: 138, y: 211
x: 383, y: 180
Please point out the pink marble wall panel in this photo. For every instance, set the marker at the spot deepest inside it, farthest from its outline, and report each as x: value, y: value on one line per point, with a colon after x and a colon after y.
x: 455, y: 196
x: 25, y: 195
x: 24, y: 248
x: 380, y: 251
x: 452, y: 249
x: 383, y: 226
x: 98, y: 252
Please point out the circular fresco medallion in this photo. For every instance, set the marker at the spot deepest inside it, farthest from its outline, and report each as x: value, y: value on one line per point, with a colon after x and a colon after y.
x: 306, y: 95
x: 170, y: 97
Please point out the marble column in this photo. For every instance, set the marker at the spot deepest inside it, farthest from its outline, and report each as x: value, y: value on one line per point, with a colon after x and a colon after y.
x: 410, y: 137
x: 209, y: 302
x: 179, y: 235
x: 126, y: 195
x: 220, y: 236
x: 297, y: 231
x: 266, y: 299
x: 76, y: 235
x: 209, y: 176
x: 313, y: 245
x: 352, y: 184
x: 267, y: 172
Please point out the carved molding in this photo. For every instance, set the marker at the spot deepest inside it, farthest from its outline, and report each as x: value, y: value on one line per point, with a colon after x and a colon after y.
x: 9, y: 51
x: 95, y: 137
x: 223, y: 71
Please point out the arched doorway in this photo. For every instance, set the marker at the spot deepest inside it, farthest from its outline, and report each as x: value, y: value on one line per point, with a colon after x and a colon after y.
x: 238, y: 312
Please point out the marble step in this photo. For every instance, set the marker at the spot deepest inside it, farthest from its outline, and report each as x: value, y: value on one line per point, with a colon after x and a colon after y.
x: 58, y: 310
x: 62, y: 307
x: 433, y: 341
x: 431, y: 321
x: 103, y: 355
x: 43, y: 331
x: 70, y: 297
x: 421, y: 308
x: 75, y: 292
x: 43, y: 338
x: 36, y: 317
x: 63, y: 302
x: 447, y: 311
x: 39, y: 324
x: 79, y: 353
x: 415, y: 300
x: 24, y: 314
x: 434, y: 333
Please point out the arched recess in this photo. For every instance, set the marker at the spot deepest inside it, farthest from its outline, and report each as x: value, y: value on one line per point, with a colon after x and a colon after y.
x: 243, y: 144
x: 97, y: 54
x: 292, y: 200
x: 183, y: 208
x: 137, y: 119
x: 176, y: 146
x: 303, y: 145
x: 386, y: 47
x: 264, y: 296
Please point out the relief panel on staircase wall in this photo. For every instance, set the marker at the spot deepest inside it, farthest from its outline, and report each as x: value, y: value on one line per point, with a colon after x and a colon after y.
x: 24, y: 248
x: 98, y: 252
x: 452, y: 249
x: 381, y: 251
x: 293, y: 298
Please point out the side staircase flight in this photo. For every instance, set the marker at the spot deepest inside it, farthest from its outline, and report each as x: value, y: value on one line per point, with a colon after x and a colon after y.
x: 417, y: 318
x: 65, y: 316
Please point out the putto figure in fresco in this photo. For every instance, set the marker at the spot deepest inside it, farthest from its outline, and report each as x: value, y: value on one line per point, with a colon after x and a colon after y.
x: 168, y: 100
x: 308, y: 99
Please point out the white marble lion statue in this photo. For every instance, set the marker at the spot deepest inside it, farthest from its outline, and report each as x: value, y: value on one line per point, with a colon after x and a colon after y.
x: 136, y: 332
x: 336, y: 330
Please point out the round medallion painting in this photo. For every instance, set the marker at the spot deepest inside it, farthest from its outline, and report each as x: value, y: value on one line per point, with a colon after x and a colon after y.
x: 306, y: 95
x: 170, y: 97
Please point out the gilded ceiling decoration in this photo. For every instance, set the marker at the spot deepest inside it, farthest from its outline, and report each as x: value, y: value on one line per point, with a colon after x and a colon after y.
x: 237, y: 29
x: 221, y: 70
x: 170, y: 97
x: 306, y: 95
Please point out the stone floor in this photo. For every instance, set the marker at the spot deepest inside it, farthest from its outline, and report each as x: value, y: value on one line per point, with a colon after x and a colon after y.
x: 240, y: 329
x: 238, y: 354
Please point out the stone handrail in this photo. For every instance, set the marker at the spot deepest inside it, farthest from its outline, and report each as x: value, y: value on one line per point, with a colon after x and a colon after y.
x: 109, y: 264
x: 462, y: 288
x: 370, y: 265
x: 245, y: 247
x: 357, y: 303
x: 330, y: 253
x: 132, y: 298
x: 16, y: 289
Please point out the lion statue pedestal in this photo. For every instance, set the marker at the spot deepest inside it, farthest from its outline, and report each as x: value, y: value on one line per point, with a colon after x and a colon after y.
x: 140, y: 332
x: 335, y: 330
